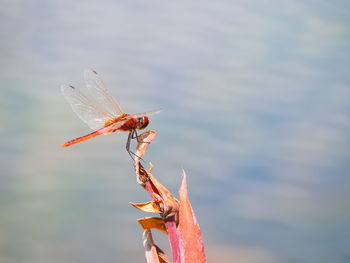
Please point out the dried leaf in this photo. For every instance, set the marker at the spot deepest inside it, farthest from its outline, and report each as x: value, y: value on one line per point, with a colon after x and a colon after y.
x: 150, y: 207
x: 191, y: 242
x: 169, y: 206
x: 169, y: 203
x: 152, y: 252
x: 161, y: 255
x: 153, y: 222
x: 150, y: 249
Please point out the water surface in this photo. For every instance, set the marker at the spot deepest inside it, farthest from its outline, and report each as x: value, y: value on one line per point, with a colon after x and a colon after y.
x: 256, y: 110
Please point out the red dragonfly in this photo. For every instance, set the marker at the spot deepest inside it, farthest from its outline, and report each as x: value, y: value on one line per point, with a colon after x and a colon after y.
x: 102, y: 112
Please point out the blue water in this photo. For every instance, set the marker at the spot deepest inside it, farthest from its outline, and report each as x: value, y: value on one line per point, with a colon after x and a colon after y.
x: 256, y: 99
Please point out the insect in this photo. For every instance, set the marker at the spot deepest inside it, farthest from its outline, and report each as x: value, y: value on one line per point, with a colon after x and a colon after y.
x: 102, y: 112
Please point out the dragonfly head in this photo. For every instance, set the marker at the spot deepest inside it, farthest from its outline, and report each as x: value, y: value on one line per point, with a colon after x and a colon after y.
x: 142, y: 122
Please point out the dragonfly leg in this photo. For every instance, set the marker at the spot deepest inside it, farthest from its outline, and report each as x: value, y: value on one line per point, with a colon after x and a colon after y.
x: 128, y: 143
x: 136, y: 136
x: 131, y: 153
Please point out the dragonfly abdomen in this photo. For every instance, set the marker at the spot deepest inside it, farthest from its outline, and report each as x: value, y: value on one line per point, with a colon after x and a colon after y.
x: 82, y: 138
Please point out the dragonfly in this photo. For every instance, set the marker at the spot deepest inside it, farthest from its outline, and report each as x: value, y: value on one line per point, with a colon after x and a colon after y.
x: 101, y: 111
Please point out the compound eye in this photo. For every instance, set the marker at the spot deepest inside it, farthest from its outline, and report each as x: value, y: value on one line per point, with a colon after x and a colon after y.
x: 139, y: 121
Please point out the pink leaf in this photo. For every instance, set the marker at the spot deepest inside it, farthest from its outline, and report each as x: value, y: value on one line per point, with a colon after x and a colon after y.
x: 191, y: 243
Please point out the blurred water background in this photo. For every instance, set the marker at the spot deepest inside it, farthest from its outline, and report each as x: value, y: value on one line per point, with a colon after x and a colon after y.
x: 256, y: 109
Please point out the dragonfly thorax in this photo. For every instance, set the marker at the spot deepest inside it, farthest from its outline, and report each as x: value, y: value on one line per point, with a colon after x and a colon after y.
x: 142, y: 122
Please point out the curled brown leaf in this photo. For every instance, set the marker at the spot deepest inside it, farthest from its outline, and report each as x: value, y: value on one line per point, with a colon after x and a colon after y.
x: 153, y: 222
x: 169, y: 203
x: 150, y: 207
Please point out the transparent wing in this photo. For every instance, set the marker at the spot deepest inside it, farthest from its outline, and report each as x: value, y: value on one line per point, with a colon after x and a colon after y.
x: 87, y: 111
x: 101, y: 94
x: 147, y: 113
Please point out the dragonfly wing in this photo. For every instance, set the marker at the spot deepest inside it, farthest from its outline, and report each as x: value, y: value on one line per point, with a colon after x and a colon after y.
x: 87, y: 111
x: 100, y: 93
x: 147, y: 113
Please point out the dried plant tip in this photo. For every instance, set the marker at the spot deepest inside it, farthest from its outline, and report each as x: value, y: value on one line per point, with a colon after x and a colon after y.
x: 150, y: 207
x: 143, y: 142
x: 151, y: 166
x: 153, y: 222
